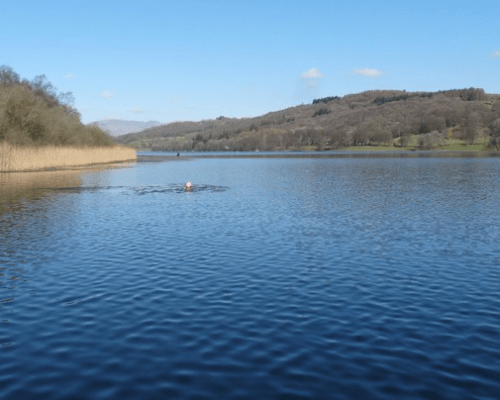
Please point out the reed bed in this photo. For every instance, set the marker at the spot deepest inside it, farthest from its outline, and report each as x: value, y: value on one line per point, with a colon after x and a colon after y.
x: 20, y: 158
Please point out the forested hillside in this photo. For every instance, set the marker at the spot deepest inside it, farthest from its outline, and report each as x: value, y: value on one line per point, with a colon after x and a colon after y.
x: 372, y: 118
x: 32, y: 113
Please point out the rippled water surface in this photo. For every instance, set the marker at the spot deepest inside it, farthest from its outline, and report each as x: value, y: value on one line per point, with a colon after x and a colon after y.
x: 342, y: 278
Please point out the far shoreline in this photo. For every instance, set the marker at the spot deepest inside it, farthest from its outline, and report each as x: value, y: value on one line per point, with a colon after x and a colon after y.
x: 158, y: 156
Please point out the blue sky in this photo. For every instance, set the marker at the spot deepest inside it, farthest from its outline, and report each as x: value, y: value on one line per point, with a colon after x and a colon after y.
x: 192, y: 59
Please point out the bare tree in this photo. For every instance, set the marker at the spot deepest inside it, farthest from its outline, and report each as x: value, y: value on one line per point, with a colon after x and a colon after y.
x: 8, y: 76
x: 471, y: 128
x: 495, y: 133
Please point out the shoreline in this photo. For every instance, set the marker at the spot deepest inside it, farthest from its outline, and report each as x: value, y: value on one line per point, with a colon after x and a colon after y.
x: 161, y: 156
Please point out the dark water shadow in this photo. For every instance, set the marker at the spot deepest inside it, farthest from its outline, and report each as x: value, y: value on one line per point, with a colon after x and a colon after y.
x: 178, y: 188
x: 83, y: 189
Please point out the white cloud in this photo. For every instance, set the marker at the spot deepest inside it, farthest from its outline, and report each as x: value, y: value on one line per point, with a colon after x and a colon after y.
x: 137, y: 110
x: 106, y: 94
x: 312, y: 73
x: 496, y: 53
x: 370, y: 72
x: 69, y: 76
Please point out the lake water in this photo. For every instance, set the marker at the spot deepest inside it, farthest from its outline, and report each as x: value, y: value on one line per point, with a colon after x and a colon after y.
x: 289, y: 278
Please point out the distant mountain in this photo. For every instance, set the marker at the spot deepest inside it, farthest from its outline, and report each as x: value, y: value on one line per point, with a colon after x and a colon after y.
x: 118, y: 127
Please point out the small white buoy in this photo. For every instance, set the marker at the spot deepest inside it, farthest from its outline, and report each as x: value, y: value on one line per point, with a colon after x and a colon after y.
x: 188, y: 185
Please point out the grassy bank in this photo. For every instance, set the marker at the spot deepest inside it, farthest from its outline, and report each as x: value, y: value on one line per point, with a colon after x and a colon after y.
x: 442, y: 144
x: 21, y: 158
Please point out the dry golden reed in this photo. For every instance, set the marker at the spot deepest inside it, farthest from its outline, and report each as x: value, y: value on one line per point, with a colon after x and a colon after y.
x: 17, y: 158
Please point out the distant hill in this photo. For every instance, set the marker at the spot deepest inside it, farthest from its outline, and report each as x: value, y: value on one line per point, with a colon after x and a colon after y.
x: 371, y: 118
x: 118, y: 127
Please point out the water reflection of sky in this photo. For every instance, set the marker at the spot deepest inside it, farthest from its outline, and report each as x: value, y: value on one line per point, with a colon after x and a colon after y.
x: 305, y: 272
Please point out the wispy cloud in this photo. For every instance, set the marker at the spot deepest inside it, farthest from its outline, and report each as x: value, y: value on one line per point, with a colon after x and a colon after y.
x: 496, y: 53
x: 69, y: 76
x: 106, y: 94
x: 369, y: 72
x: 137, y: 110
x: 312, y: 73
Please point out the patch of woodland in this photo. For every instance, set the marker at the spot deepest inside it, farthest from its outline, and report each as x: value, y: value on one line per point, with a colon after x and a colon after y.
x: 33, y: 113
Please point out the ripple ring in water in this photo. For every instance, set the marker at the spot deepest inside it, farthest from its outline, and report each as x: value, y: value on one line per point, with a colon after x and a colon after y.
x: 142, y: 190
